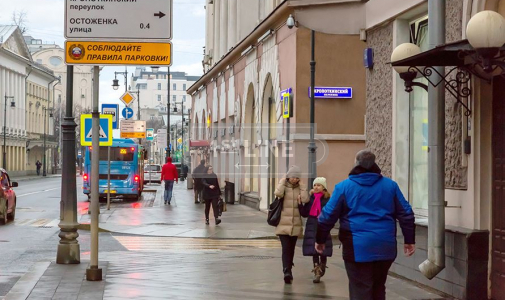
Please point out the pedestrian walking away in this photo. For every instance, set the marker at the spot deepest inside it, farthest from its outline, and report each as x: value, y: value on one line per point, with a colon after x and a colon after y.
x: 211, y: 194
x: 169, y: 175
x: 319, y: 197
x: 38, y: 164
x: 198, y: 173
x: 290, y: 225
x: 368, y: 206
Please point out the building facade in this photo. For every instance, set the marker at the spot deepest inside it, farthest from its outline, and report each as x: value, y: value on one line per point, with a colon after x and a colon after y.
x: 52, y: 57
x: 152, y: 89
x: 252, y: 59
x: 249, y: 60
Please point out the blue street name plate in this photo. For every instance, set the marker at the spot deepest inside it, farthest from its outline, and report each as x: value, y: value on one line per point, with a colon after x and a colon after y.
x: 332, y: 92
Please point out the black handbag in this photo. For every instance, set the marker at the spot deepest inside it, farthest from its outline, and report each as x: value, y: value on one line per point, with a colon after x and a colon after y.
x: 220, y: 206
x: 274, y: 212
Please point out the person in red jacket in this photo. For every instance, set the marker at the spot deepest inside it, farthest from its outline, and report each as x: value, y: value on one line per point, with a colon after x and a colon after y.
x: 169, y: 175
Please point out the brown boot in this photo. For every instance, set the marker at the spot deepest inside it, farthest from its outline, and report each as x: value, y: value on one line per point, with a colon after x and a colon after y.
x: 323, y: 269
x: 317, y: 273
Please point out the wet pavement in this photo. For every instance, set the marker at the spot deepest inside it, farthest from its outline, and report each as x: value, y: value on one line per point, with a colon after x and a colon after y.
x: 210, y: 264
x: 183, y: 218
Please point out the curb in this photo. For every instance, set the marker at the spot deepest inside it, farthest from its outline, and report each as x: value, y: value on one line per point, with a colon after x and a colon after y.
x: 87, y: 227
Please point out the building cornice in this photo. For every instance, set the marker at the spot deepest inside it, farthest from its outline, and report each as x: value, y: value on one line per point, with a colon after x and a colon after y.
x: 280, y: 13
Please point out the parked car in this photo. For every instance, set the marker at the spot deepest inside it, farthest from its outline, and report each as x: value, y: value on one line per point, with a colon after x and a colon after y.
x: 7, y: 198
x: 154, y: 171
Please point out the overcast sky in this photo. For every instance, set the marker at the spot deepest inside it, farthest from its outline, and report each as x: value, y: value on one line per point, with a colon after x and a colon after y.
x: 45, y: 20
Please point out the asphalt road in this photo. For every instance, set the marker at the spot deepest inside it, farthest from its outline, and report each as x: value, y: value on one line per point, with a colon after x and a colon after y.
x: 33, y: 235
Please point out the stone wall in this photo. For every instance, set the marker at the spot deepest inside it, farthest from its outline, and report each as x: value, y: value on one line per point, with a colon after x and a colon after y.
x: 379, y: 103
x: 455, y: 173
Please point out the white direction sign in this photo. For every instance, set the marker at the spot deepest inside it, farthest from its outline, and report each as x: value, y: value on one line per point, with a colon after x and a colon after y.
x: 133, y: 129
x: 131, y: 19
x: 161, y: 139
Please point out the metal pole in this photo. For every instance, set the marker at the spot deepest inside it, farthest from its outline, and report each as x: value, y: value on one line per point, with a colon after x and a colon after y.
x: 60, y: 144
x: 44, y: 173
x: 168, y: 114
x: 436, y: 154
x: 108, y: 178
x: 287, y: 143
x: 68, y: 247
x: 5, y: 136
x: 93, y: 273
x: 150, y: 164
x: 182, y: 139
x: 312, y: 144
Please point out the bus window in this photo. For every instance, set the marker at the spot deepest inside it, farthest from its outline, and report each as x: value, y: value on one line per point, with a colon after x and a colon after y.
x: 116, y: 154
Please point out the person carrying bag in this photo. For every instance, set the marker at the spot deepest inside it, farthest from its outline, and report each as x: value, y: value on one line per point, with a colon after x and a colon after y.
x: 289, y: 226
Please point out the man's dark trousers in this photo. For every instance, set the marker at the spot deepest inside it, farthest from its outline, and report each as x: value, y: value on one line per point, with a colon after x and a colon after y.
x: 367, y: 280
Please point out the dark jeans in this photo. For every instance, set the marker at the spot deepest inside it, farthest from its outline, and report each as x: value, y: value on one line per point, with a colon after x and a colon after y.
x: 198, y: 195
x: 288, y: 250
x: 169, y: 186
x: 319, y: 259
x: 367, y: 280
x: 38, y: 171
x: 208, y: 203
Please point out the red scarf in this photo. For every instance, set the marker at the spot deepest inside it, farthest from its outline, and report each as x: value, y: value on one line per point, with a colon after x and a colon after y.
x: 315, y: 210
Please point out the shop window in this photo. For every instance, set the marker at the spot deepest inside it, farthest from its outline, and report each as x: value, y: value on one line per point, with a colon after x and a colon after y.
x: 418, y: 160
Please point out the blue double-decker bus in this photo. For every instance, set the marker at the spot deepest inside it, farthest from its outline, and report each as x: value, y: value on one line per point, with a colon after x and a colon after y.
x: 126, y: 170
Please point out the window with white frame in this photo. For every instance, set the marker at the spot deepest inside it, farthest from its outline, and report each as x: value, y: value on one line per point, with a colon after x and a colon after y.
x: 159, y: 98
x: 159, y: 86
x: 418, y: 124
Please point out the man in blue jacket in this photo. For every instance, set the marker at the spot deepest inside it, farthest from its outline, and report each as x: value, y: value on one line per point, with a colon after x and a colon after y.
x: 367, y: 205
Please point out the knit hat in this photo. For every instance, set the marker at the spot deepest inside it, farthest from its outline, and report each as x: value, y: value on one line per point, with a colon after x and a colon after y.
x: 294, y: 172
x: 321, y: 181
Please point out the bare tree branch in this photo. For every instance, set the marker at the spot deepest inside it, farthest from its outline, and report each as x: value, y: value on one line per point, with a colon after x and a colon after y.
x: 19, y: 19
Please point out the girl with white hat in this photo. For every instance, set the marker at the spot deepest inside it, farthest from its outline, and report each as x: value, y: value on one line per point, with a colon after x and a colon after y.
x: 318, y: 199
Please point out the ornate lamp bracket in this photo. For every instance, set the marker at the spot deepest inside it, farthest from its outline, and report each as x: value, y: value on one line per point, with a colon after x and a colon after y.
x: 456, y: 81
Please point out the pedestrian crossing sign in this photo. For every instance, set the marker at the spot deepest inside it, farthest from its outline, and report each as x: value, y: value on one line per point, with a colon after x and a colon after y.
x: 105, y: 130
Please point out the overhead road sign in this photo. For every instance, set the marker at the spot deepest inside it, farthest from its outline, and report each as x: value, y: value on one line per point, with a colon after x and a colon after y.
x: 119, y: 19
x: 133, y: 129
x: 118, y: 53
x: 105, y: 130
x: 113, y: 110
x: 127, y: 113
x: 127, y: 99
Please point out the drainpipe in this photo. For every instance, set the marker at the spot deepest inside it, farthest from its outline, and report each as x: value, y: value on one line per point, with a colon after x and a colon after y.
x: 436, y: 155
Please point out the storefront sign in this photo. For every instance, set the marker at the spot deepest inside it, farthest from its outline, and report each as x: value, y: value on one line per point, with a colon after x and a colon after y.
x: 332, y: 92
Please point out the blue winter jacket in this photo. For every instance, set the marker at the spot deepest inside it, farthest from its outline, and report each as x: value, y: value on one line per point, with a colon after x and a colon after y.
x: 367, y: 205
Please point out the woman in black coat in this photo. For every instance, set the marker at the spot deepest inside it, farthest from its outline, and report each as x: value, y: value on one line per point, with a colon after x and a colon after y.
x: 211, y: 194
x: 319, y: 197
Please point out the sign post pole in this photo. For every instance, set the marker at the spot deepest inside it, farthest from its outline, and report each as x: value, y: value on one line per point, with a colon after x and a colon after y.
x: 93, y: 273
x: 108, y: 178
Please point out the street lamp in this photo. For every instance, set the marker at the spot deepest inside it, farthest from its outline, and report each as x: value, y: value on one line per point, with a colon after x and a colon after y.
x: 408, y: 74
x: 115, y: 81
x: 291, y: 22
x: 486, y: 33
x: 13, y: 104
x: 44, y: 170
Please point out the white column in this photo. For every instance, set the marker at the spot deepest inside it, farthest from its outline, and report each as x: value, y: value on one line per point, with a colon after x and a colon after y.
x: 238, y: 14
x: 232, y: 23
x: 209, y: 30
x: 217, y: 30
x: 223, y: 29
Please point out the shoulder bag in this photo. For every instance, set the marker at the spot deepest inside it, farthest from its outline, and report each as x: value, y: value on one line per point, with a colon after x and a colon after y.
x: 274, y: 212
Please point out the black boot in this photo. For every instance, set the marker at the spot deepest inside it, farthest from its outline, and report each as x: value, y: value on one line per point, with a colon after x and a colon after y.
x: 218, y: 221
x: 207, y: 222
x: 288, y: 276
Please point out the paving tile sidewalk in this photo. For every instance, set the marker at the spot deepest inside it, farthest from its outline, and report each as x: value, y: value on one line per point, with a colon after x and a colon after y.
x: 183, y: 218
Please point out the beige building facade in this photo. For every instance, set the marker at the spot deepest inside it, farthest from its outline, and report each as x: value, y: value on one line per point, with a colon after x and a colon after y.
x: 237, y: 107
